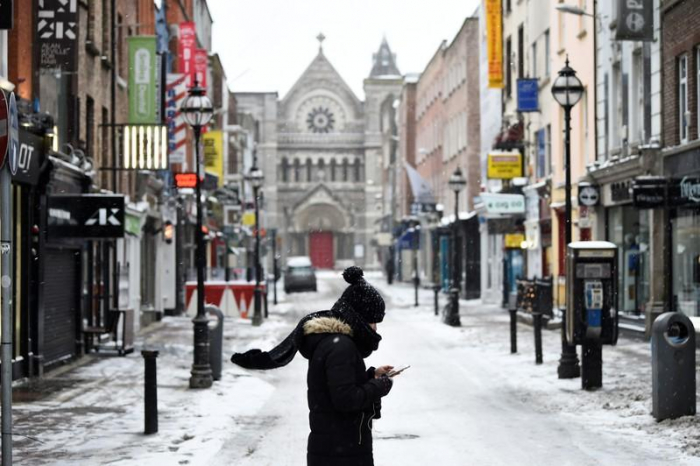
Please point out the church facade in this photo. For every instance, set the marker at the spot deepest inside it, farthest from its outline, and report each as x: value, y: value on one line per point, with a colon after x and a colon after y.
x: 320, y: 148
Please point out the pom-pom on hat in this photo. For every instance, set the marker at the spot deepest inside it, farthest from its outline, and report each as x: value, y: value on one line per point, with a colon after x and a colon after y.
x: 362, y: 297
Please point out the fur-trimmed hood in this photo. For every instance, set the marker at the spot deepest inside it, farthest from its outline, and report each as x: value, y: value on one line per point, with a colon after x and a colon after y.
x: 326, y: 325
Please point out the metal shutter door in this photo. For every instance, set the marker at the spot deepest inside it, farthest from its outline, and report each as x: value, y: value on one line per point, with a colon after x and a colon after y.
x: 61, y: 304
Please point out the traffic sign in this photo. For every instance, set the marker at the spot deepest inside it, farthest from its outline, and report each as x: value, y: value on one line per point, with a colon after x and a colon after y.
x: 3, y: 127
x: 13, y: 143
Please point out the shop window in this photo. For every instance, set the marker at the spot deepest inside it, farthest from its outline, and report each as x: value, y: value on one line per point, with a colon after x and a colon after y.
x: 686, y: 261
x: 683, y: 112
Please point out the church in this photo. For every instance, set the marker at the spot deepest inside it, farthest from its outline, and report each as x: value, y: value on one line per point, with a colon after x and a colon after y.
x: 320, y: 149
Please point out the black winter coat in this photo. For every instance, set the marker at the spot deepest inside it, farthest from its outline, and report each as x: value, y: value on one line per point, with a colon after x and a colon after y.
x: 343, y: 396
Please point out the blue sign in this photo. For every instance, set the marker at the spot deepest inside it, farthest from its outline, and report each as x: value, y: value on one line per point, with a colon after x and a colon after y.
x: 13, y: 143
x: 528, y: 95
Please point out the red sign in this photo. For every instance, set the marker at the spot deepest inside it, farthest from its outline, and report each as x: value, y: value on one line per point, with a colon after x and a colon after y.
x: 186, y: 51
x: 185, y: 180
x: 4, y: 127
x: 201, y: 63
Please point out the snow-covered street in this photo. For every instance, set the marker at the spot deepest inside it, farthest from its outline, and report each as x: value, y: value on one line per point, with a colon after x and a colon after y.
x: 465, y: 400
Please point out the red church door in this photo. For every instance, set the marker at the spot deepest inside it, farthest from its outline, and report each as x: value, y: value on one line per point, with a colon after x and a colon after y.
x: 321, y: 249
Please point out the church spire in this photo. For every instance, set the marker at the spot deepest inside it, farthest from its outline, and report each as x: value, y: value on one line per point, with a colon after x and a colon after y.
x: 384, y: 62
x: 320, y: 38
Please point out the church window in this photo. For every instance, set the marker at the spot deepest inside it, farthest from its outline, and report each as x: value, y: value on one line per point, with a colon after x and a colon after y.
x: 333, y: 172
x: 285, y: 170
x: 309, y: 170
x: 345, y: 169
x: 297, y: 170
x: 321, y: 168
x: 358, y: 171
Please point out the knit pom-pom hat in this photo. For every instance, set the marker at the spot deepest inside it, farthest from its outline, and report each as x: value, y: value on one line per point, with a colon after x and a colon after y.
x: 362, y: 297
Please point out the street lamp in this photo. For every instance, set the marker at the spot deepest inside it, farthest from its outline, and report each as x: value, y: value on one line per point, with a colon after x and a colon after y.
x: 197, y: 110
x: 457, y: 182
x: 255, y: 178
x: 567, y: 90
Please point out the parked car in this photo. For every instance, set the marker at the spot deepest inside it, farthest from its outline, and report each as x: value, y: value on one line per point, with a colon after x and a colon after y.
x: 299, y: 275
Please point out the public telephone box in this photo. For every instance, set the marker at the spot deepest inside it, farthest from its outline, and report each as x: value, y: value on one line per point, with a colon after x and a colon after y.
x: 591, y: 273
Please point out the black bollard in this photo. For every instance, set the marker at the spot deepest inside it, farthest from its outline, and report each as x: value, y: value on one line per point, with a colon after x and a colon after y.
x: 151, y: 392
x: 436, y: 289
x: 591, y: 364
x: 513, y: 330
x: 537, y: 317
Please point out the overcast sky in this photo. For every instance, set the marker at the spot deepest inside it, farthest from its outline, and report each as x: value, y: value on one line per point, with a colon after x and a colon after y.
x: 265, y: 45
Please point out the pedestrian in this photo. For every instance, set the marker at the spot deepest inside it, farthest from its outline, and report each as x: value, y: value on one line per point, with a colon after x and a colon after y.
x: 343, y: 396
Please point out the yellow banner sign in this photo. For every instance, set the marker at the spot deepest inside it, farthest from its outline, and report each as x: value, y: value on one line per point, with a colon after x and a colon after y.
x: 504, y: 166
x: 514, y: 240
x: 494, y: 43
x: 248, y: 219
x: 213, y: 142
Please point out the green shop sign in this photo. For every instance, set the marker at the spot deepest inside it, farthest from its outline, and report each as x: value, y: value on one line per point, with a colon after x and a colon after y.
x: 142, y: 80
x: 132, y: 224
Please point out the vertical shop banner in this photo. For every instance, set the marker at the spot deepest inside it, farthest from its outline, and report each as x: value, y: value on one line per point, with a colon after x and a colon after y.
x: 201, y: 65
x: 175, y: 93
x: 186, y: 51
x: 635, y: 20
x: 494, y: 43
x: 142, y: 80
x: 214, y: 154
x: 57, y: 33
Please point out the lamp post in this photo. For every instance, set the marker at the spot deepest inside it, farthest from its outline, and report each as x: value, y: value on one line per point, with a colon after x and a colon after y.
x: 456, y: 183
x: 255, y: 178
x: 197, y: 110
x: 567, y: 90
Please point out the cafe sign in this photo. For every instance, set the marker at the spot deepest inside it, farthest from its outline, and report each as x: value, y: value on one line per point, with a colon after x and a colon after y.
x: 504, y: 165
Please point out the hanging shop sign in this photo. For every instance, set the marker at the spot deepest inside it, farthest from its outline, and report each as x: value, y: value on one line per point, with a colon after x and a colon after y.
x: 528, y: 95
x: 85, y: 216
x: 186, y: 50
x: 30, y: 157
x: 503, y: 203
x: 621, y: 191
x: 635, y: 20
x: 6, y: 14
x: 145, y: 147
x: 201, y: 65
x: 588, y: 195
x: 57, y: 33
x: 494, y: 43
x: 142, y: 80
x: 185, y: 180
x: 687, y: 192
x: 213, y: 142
x: 514, y: 240
x: 504, y: 165
x: 658, y: 192
x: 176, y: 91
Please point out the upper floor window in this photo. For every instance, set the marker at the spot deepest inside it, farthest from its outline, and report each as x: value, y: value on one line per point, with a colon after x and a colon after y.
x: 309, y: 170
x: 345, y: 169
x: 285, y: 170
x: 683, y: 112
x: 297, y: 170
x: 333, y: 167
x: 546, y: 53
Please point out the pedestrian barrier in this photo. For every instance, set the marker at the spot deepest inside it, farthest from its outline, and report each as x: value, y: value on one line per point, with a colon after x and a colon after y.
x: 234, y: 298
x: 673, y: 366
x: 150, y: 392
x: 216, y: 340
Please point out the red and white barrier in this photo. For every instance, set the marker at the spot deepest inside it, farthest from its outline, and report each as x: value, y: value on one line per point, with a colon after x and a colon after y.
x: 235, y: 298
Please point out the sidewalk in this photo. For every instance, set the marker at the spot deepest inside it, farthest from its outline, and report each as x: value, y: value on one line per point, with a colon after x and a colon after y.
x: 92, y: 412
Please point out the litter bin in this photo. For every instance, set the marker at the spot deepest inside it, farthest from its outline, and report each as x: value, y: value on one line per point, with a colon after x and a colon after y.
x: 216, y: 340
x: 673, y: 366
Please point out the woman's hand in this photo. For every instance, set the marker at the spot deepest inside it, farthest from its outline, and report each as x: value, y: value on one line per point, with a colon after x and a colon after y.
x: 383, y: 370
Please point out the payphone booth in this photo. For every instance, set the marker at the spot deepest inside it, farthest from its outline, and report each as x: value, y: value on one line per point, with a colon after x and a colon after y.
x: 590, y: 305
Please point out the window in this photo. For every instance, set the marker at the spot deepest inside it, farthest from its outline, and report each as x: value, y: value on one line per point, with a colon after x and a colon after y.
x: 358, y: 170
x: 541, y: 153
x: 508, y: 6
x: 105, y: 28
x: 509, y: 69
x: 683, y: 113
x: 345, y: 169
x: 533, y: 59
x: 616, y: 107
x: 285, y: 170
x: 321, y: 169
x: 521, y: 52
x: 297, y: 170
x: 637, y: 107
x: 548, y: 150
x: 546, y: 53
x: 333, y: 167
x: 121, y: 59
x: 90, y: 127
x: 309, y: 170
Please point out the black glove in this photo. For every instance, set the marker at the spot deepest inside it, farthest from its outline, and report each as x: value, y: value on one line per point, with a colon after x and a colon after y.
x: 385, y: 383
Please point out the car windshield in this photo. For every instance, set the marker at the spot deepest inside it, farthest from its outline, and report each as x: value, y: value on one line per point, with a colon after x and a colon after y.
x: 300, y: 271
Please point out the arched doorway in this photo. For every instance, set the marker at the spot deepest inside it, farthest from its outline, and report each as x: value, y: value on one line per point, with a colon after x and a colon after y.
x: 324, y: 227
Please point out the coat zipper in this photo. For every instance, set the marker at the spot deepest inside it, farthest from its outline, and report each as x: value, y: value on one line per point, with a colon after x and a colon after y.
x: 369, y: 422
x: 361, y: 421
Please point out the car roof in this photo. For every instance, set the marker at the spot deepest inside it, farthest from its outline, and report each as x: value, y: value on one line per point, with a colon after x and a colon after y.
x: 299, y: 261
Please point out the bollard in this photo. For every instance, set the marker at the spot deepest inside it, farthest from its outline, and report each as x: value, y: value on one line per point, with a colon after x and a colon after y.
x: 436, y: 290
x: 537, y: 324
x: 673, y: 366
x: 151, y: 392
x: 513, y: 330
x: 591, y: 364
x: 216, y: 341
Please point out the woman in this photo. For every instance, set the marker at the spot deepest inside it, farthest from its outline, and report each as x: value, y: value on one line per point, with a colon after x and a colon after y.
x: 343, y: 396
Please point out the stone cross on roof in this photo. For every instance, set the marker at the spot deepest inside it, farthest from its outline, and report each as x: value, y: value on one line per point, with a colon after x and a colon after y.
x: 320, y: 38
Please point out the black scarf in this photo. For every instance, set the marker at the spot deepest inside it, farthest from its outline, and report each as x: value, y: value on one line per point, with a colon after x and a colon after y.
x: 366, y: 339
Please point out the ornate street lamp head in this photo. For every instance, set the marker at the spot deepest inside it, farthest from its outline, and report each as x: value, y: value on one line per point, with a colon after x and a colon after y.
x: 567, y: 88
x: 255, y: 177
x: 457, y: 181
x: 197, y: 108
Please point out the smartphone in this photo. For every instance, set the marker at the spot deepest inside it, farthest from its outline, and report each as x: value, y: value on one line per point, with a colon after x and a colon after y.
x: 397, y: 371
